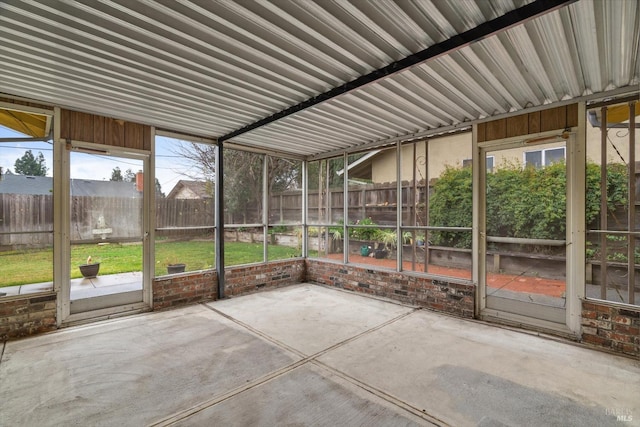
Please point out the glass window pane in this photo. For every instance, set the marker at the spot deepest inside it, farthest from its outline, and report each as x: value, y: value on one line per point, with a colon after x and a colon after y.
x: 243, y: 245
x: 285, y: 189
x: 489, y: 163
x: 185, y: 206
x: 374, y: 200
x: 373, y: 246
x: 533, y: 159
x: 326, y: 178
x: 414, y: 188
x: 553, y: 155
x: 611, y: 209
x: 26, y: 215
x: 326, y: 242
x: 284, y: 242
x: 243, y: 195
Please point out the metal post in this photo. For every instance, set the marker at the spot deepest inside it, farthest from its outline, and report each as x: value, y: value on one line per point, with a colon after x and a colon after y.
x: 345, y: 208
x: 414, y: 205
x: 426, y: 205
x: 305, y: 205
x: 479, y: 224
x: 603, y: 204
x: 328, y: 210
x: 398, y: 207
x: 631, y: 240
x: 219, y: 219
x: 265, y: 208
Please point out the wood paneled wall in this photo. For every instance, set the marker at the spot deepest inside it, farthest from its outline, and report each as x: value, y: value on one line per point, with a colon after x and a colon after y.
x: 526, y: 124
x: 104, y: 130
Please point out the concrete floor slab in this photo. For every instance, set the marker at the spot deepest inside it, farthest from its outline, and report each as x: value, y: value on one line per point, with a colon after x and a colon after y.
x: 130, y: 371
x: 305, y: 396
x: 467, y: 373
x: 309, y: 355
x: 307, y: 318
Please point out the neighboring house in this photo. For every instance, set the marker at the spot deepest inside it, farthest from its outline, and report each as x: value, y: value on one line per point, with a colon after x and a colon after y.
x: 191, y: 190
x: 379, y: 166
x: 23, y: 184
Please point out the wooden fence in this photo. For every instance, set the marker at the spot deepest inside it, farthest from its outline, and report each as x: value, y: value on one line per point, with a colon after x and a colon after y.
x: 27, y: 220
x: 375, y: 201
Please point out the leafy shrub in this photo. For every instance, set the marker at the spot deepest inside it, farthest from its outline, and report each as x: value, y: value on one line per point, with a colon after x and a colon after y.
x: 365, y: 233
x: 450, y: 205
x: 524, y: 203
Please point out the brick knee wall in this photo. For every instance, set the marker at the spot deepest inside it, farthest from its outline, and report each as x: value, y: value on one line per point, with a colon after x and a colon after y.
x: 183, y: 289
x: 612, y: 328
x: 30, y: 315
x: 440, y: 295
x: 603, y: 325
x: 251, y: 278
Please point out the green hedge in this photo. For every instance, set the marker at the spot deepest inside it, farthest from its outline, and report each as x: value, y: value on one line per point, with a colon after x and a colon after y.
x: 524, y: 203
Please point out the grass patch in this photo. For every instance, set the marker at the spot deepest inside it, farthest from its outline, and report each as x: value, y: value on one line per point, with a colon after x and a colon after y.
x: 36, y: 266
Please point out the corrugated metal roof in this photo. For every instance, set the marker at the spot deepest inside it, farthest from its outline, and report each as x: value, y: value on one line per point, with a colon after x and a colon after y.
x: 211, y: 68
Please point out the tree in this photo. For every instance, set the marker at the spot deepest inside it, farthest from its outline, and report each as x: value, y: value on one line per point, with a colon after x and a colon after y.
x: 243, y: 175
x: 129, y: 176
x: 30, y: 165
x: 116, y: 174
x: 159, y: 192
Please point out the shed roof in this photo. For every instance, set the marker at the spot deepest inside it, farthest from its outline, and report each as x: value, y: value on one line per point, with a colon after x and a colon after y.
x: 316, y: 77
x: 200, y: 189
x: 34, y: 185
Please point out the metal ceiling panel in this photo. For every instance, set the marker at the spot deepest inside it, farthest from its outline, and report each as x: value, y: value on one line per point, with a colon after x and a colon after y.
x: 213, y: 67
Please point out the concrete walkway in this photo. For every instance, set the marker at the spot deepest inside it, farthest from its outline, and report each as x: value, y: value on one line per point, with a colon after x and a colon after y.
x: 309, y: 355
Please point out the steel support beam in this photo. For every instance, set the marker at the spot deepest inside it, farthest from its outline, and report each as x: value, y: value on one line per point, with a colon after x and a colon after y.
x: 219, y: 214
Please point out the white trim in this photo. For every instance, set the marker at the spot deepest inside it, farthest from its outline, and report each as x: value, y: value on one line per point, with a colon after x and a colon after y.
x: 576, y: 235
x: 543, y: 155
x: 62, y: 257
x: 105, y: 313
x: 530, y: 140
x: 526, y: 322
x: 542, y: 138
x: 148, y: 222
x: 61, y: 249
x: 107, y: 150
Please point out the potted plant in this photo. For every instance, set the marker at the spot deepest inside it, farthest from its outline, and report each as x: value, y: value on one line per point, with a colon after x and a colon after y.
x: 90, y: 269
x: 174, y: 267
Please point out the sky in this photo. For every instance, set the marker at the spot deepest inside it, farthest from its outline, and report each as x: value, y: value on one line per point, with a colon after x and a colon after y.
x: 170, y: 167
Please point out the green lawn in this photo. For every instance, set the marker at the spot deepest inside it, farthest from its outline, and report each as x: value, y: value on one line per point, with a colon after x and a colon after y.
x: 35, y: 266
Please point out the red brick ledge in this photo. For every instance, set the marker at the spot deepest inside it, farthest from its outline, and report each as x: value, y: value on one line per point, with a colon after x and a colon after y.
x: 611, y: 327
x: 438, y: 294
